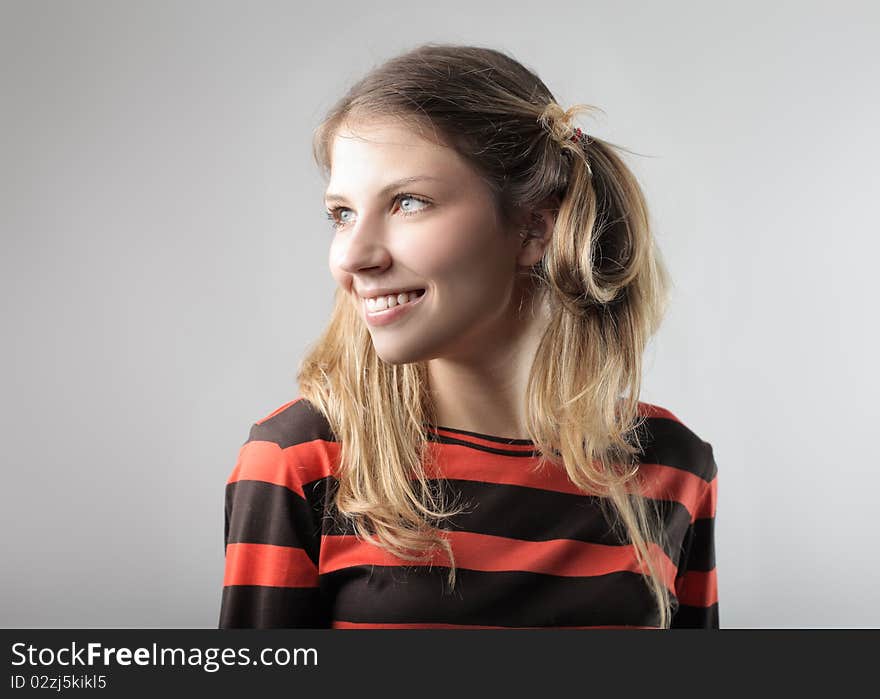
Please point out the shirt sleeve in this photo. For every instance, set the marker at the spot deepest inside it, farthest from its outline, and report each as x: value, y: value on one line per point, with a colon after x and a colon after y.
x: 271, y: 540
x: 696, y: 583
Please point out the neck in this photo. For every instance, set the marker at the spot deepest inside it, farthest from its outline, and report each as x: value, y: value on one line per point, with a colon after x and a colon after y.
x: 483, y: 387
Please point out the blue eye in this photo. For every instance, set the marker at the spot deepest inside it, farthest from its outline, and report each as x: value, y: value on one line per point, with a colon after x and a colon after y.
x: 412, y: 198
x: 332, y: 215
x: 335, y: 218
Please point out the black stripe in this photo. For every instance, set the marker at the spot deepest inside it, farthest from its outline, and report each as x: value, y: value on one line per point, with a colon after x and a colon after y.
x: 321, y: 494
x: 379, y: 594
x: 671, y: 443
x: 296, y: 424
x: 700, y: 541
x: 443, y: 439
x: 529, y: 514
x: 487, y: 437
x: 265, y: 513
x: 261, y: 607
x: 688, y: 617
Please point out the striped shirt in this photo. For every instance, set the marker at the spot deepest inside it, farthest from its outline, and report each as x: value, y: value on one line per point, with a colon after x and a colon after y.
x: 531, y: 549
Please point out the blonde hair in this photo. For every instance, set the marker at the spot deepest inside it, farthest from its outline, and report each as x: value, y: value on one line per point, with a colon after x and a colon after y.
x: 602, y: 275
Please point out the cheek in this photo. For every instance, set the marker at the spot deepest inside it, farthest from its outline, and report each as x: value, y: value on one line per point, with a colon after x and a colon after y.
x: 468, y: 266
x: 457, y: 246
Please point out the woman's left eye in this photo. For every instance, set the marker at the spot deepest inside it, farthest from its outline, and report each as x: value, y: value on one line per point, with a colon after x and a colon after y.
x: 335, y: 217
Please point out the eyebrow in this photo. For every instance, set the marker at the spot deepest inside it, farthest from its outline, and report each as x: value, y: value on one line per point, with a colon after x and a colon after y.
x: 329, y: 196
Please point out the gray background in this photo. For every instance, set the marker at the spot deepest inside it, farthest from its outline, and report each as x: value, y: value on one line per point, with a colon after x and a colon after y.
x: 164, y: 268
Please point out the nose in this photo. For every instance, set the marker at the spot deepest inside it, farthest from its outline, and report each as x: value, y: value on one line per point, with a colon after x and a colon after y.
x: 362, y: 247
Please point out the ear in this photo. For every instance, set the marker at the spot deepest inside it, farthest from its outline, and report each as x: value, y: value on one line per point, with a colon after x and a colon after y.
x: 537, y: 226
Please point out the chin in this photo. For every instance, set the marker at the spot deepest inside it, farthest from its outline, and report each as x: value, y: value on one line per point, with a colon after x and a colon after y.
x: 397, y: 355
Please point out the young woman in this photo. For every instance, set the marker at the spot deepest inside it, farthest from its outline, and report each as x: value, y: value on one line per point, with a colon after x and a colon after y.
x: 468, y: 448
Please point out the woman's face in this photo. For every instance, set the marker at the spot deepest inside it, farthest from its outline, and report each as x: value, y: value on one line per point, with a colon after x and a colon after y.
x: 438, y: 234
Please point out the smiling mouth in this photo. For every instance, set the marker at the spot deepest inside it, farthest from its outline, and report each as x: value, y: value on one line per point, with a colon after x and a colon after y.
x: 379, y: 304
x: 388, y: 316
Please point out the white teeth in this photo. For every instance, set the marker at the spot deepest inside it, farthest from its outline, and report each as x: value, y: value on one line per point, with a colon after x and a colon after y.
x: 381, y: 303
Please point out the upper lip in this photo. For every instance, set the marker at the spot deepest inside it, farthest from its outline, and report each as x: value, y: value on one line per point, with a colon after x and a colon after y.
x: 386, y: 291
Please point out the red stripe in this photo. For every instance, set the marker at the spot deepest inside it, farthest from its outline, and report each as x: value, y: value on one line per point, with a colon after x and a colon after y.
x: 698, y: 588
x: 561, y: 557
x: 309, y: 461
x: 455, y: 461
x: 706, y: 510
x: 662, y: 482
x: 462, y: 463
x: 269, y: 565
x: 278, y: 410
x: 290, y: 467
x: 649, y: 410
x: 367, y: 625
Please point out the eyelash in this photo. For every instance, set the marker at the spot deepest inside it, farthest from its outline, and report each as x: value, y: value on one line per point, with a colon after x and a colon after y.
x: 334, y: 212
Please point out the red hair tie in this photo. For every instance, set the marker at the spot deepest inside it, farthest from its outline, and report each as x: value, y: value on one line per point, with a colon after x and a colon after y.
x: 579, y: 137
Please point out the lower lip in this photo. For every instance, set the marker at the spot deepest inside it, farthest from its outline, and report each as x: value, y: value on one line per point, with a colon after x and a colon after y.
x: 389, y: 315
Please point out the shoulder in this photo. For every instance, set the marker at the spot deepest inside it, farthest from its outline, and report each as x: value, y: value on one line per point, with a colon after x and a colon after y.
x: 666, y: 439
x: 296, y: 422
x: 290, y: 447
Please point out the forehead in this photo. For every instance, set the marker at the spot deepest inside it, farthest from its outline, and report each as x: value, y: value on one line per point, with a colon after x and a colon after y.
x: 388, y: 131
x: 377, y: 148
